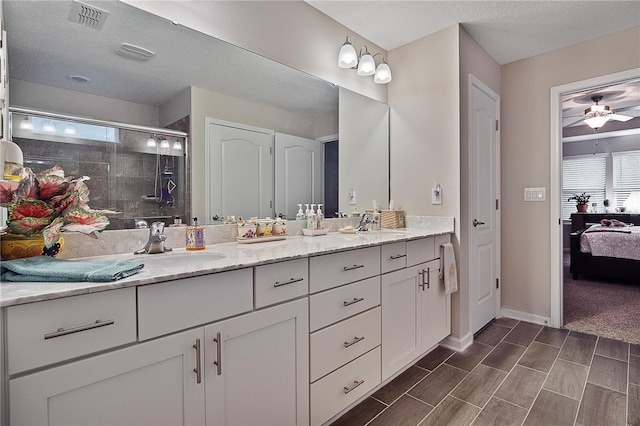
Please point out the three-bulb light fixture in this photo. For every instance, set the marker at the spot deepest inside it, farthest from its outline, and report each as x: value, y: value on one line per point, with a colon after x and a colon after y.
x: 164, y: 144
x: 364, y: 62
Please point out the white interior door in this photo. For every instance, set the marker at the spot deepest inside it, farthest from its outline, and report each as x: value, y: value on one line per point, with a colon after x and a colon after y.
x: 484, y: 213
x: 299, y: 173
x: 239, y: 170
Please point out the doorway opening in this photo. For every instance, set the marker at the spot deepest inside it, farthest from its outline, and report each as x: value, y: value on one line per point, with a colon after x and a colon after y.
x: 591, y: 145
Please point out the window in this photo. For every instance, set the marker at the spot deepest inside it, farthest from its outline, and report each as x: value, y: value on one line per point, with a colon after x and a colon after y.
x: 626, y: 175
x: 583, y: 174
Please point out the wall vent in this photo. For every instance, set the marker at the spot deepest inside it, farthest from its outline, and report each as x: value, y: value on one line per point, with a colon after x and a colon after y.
x: 88, y: 16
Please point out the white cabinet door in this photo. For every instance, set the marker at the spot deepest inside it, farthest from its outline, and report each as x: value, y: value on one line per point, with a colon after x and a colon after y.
x: 148, y: 384
x: 239, y: 170
x: 436, y: 305
x: 257, y: 368
x: 401, y: 320
x: 299, y: 173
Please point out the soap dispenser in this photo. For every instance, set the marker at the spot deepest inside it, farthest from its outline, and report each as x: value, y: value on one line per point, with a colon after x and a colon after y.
x: 320, y: 217
x: 195, y: 236
x: 311, y: 220
x: 300, y: 215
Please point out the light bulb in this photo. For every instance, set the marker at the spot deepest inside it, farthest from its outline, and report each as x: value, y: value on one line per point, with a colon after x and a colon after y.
x: 177, y: 146
x: 347, y: 58
x: 26, y: 124
x: 165, y: 144
x: 49, y: 127
x: 69, y: 130
x: 151, y: 142
x: 367, y: 65
x: 383, y: 74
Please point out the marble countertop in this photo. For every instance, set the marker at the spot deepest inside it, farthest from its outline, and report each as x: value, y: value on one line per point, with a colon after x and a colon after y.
x: 180, y: 264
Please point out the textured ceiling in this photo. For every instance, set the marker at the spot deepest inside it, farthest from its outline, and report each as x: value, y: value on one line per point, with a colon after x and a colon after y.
x: 507, y: 30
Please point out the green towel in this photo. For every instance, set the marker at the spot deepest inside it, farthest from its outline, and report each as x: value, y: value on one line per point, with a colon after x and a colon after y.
x: 45, y: 268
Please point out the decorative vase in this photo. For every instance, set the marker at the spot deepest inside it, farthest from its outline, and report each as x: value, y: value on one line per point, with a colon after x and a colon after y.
x: 18, y: 246
x: 582, y: 208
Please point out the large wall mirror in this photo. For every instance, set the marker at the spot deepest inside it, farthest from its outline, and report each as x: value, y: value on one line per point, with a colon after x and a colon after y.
x: 131, y: 66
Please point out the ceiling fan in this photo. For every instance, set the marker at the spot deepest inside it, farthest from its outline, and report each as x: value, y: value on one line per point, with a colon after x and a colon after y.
x: 597, y: 115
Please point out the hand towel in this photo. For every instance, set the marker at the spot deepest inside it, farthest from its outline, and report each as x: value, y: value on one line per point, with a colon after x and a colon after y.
x: 49, y: 269
x: 448, y: 269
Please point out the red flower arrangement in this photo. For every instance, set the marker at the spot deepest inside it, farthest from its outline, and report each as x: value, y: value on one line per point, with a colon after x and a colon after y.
x: 48, y: 203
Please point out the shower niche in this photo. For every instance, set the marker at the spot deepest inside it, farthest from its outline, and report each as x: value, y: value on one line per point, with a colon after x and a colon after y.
x: 137, y: 172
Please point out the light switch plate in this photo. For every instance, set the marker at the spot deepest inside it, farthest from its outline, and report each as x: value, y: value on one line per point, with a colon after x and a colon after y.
x: 535, y: 194
x: 436, y: 195
x: 352, y: 196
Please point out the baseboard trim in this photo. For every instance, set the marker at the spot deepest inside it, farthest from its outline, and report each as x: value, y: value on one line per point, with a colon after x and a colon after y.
x: 525, y: 316
x: 457, y: 344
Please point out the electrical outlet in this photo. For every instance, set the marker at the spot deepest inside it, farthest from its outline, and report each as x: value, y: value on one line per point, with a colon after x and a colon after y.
x: 436, y: 194
x: 352, y: 196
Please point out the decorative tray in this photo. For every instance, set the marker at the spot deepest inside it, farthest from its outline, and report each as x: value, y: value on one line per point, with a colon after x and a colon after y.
x: 241, y: 240
x: 314, y: 232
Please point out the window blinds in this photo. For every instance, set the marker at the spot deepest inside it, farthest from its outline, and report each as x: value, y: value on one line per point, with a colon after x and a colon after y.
x: 583, y: 174
x: 626, y: 175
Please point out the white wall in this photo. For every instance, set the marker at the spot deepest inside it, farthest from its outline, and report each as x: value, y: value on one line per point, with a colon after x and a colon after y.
x: 525, y: 159
x: 62, y: 101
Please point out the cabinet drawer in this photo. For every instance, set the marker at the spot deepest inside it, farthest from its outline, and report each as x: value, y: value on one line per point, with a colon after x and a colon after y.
x: 56, y: 330
x: 335, y: 392
x: 394, y: 257
x: 340, y: 343
x: 281, y: 281
x: 177, y: 305
x: 340, y: 303
x: 333, y: 270
x: 422, y: 250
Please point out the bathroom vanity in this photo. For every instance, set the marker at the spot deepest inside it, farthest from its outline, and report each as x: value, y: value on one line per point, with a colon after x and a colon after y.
x: 284, y: 332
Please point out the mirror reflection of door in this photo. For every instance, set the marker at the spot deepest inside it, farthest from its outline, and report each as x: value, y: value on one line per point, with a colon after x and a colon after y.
x: 298, y: 172
x: 239, y: 170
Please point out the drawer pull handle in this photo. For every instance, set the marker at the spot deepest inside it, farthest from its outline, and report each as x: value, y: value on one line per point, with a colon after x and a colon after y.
x: 355, y: 385
x: 397, y: 256
x: 351, y: 268
x: 351, y: 302
x: 198, y: 369
x: 422, y: 275
x: 291, y: 281
x: 218, y: 362
x: 354, y: 341
x: 62, y: 332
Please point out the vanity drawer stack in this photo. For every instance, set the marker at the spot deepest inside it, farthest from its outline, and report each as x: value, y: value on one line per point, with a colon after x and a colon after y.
x: 344, y: 321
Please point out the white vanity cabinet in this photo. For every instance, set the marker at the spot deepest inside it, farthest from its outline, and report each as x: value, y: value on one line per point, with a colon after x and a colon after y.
x: 415, y: 308
x: 257, y: 368
x: 151, y: 383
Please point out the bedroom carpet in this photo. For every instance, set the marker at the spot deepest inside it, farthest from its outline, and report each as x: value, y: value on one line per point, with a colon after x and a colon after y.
x: 608, y: 309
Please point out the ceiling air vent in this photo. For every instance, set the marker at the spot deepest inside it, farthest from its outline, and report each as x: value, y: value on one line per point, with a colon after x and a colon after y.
x: 88, y: 16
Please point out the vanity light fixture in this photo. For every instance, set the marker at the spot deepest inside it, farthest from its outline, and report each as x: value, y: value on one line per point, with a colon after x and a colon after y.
x: 364, y: 62
x: 151, y: 142
x: 26, y: 124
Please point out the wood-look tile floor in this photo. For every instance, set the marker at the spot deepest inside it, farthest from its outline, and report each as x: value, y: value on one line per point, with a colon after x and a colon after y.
x: 515, y: 373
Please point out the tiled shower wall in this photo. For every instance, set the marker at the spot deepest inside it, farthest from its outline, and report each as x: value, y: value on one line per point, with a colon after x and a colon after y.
x: 122, y: 174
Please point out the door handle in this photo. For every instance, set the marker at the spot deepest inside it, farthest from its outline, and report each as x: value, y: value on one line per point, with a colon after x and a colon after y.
x: 476, y: 222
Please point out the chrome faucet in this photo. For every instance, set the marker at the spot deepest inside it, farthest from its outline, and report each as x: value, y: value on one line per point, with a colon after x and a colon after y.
x: 364, y: 222
x: 156, y: 241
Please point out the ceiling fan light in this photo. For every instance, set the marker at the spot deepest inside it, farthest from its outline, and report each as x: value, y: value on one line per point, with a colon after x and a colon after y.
x: 367, y: 65
x: 383, y: 74
x: 347, y: 58
x: 596, y: 121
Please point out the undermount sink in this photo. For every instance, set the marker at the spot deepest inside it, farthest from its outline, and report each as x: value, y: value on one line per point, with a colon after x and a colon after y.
x: 176, y: 259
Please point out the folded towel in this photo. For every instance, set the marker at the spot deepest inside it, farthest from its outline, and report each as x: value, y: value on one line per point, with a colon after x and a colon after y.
x: 45, y: 268
x: 612, y: 222
x: 448, y: 269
